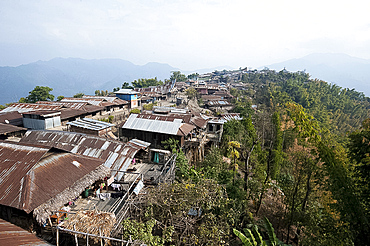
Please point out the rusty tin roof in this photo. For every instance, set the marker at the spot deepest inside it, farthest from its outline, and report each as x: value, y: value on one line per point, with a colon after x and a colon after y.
x: 7, y: 128
x: 13, y: 235
x: 116, y: 155
x: 25, y: 107
x: 31, y: 175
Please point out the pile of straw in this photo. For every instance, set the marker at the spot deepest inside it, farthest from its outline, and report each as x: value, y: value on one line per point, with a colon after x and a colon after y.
x: 91, y: 221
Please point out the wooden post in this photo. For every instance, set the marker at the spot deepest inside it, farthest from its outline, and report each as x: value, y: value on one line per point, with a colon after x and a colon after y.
x: 51, y: 225
x: 57, y: 236
x: 101, y: 239
x: 76, y: 240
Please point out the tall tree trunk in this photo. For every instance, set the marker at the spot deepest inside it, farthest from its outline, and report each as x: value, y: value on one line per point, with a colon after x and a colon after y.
x: 265, y: 182
x: 293, y: 207
x: 246, y: 166
x: 305, y: 201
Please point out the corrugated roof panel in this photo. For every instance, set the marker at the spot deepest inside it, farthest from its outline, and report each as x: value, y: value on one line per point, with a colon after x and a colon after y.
x: 26, y: 107
x: 111, y: 151
x: 13, y: 235
x: 150, y: 125
x: 31, y: 175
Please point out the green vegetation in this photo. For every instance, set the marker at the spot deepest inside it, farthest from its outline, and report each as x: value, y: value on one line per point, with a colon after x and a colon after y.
x: 149, y: 106
x: 79, y: 95
x: 135, y: 111
x: 191, y: 93
x: 39, y: 93
x: 102, y: 93
x: 60, y: 98
x: 143, y: 83
x: 109, y: 119
x: 177, y: 76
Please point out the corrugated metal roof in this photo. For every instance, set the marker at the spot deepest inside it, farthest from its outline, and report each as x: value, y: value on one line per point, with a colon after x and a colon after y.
x: 127, y: 92
x: 231, y: 116
x: 112, y: 100
x: 7, y: 128
x: 185, y: 129
x: 91, y: 124
x: 167, y: 117
x: 74, y: 105
x: 116, y: 154
x: 14, y: 118
x: 95, y: 102
x: 135, y: 122
x: 32, y: 175
x: 217, y: 103
x: 13, y: 235
x: 25, y: 107
x: 199, y: 122
x: 108, y: 99
x: 67, y: 113
x: 44, y: 113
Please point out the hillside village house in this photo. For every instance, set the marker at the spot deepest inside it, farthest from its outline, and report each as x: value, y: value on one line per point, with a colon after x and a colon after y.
x: 93, y: 127
x: 41, y: 120
x: 36, y: 180
x: 129, y: 95
x: 156, y: 128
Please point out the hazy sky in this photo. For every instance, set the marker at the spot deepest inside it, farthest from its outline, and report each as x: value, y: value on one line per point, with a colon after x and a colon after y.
x: 187, y: 34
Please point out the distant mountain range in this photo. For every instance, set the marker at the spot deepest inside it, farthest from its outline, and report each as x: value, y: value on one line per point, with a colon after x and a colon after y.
x: 340, y: 69
x: 69, y: 76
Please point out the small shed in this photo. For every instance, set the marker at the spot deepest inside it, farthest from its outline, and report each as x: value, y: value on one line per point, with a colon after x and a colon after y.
x: 92, y: 127
x: 41, y: 120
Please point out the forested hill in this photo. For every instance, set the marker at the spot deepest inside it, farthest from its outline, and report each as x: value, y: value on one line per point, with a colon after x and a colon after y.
x: 305, y: 151
x: 340, y: 110
x: 341, y: 69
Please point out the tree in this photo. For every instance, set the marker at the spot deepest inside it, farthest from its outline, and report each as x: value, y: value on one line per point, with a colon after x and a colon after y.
x: 234, y: 153
x: 126, y: 85
x: 177, y: 76
x: 193, y: 76
x: 191, y: 93
x: 79, y: 95
x: 143, y: 232
x: 39, y: 93
x: 200, y: 212
x: 135, y: 111
x: 144, y: 83
x: 60, y: 98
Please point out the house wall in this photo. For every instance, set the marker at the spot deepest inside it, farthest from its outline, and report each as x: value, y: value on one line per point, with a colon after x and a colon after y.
x: 42, y: 124
x: 34, y: 124
x: 152, y: 137
x: 127, y: 97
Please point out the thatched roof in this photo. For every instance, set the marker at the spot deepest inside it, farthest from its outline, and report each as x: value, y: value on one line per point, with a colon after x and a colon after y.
x: 92, y: 222
x: 42, y: 212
